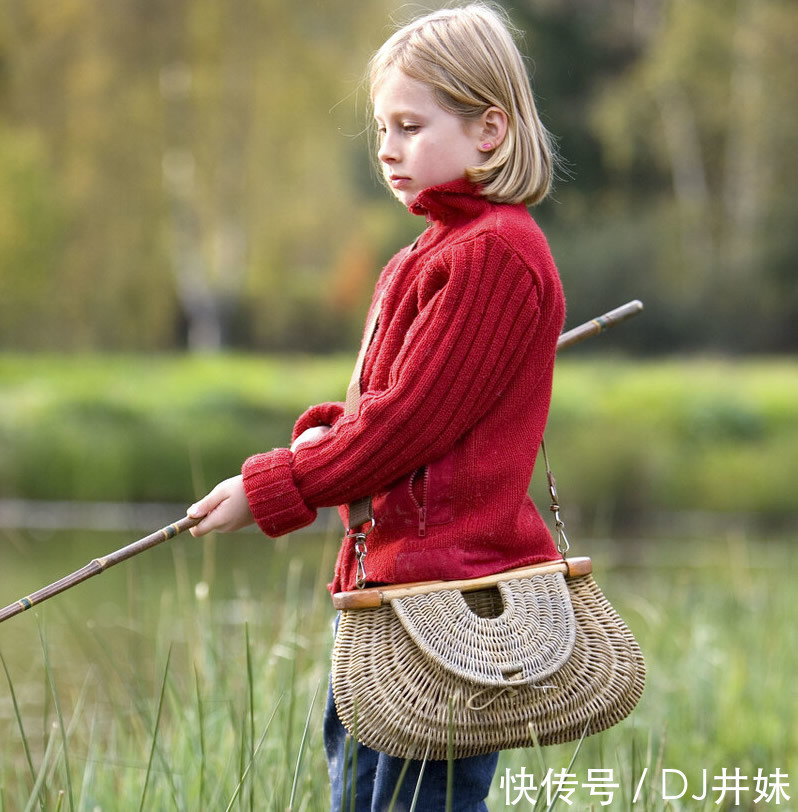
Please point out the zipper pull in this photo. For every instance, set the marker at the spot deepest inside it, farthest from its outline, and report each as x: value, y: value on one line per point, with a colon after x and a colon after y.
x: 422, y: 521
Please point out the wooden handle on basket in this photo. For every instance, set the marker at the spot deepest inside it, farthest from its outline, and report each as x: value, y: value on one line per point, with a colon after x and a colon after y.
x: 379, y: 595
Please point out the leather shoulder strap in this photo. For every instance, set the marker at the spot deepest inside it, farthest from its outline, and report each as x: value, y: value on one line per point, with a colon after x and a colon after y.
x: 360, y: 512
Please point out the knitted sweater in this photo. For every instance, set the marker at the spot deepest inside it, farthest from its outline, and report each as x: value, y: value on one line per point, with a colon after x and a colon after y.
x: 455, y: 387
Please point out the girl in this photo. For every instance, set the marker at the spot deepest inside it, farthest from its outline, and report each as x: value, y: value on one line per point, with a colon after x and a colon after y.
x: 456, y: 378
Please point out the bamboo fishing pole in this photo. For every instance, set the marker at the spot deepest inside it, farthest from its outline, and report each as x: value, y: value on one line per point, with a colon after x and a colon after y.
x: 97, y: 566
x: 100, y: 565
x: 599, y: 324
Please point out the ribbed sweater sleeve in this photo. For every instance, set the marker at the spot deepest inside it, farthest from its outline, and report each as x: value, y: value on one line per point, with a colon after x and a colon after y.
x: 478, y: 310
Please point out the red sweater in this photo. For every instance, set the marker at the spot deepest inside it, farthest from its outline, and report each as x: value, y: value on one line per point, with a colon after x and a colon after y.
x: 455, y: 388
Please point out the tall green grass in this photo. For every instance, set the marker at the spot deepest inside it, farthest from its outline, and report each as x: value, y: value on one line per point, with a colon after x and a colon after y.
x: 189, y: 697
x: 183, y: 702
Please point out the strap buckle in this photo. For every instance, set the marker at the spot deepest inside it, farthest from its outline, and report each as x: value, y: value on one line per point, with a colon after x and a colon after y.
x: 361, y: 550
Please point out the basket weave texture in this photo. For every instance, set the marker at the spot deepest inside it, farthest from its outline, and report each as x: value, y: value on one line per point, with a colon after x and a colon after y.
x: 530, y: 639
x: 541, y: 659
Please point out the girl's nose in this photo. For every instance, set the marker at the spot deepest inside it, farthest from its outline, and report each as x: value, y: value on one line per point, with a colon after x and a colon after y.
x: 386, y: 152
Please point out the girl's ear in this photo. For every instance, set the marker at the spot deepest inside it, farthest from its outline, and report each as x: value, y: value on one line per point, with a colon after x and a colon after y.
x: 493, y: 128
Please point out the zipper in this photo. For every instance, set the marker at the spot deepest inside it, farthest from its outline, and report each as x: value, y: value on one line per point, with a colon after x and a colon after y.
x: 422, y: 505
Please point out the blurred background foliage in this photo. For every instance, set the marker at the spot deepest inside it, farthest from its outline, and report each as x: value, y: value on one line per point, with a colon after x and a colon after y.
x: 196, y: 174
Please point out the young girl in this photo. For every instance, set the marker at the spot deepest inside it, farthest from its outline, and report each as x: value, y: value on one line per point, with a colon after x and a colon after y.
x: 456, y: 378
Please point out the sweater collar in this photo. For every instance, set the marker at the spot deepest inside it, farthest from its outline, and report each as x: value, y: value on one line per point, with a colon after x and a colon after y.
x: 457, y: 199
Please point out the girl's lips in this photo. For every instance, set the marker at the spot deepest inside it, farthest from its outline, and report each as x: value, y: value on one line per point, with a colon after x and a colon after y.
x: 398, y: 181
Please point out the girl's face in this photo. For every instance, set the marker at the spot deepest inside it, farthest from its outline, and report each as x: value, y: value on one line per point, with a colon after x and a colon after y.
x: 420, y: 143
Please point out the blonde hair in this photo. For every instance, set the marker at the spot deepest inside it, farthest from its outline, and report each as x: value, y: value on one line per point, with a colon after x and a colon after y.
x: 468, y: 58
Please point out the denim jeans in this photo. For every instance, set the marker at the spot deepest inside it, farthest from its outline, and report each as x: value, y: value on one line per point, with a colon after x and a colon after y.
x: 378, y: 775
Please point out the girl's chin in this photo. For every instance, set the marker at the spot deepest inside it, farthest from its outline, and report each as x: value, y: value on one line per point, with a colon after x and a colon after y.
x: 405, y: 197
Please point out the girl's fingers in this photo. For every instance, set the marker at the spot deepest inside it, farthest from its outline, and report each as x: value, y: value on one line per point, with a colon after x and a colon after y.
x: 201, y: 510
x: 196, y: 511
x: 199, y: 529
x: 210, y: 501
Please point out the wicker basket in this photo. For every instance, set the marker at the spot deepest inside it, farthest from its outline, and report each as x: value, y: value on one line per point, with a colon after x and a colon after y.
x: 536, y: 656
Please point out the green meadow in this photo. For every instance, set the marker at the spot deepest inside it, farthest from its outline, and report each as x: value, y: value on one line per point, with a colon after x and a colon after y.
x: 194, y: 676
x: 628, y: 439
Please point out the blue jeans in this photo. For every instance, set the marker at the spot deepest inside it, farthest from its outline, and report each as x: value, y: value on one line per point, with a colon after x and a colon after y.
x: 378, y: 775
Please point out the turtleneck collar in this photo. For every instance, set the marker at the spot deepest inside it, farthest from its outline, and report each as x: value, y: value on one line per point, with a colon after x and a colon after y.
x: 457, y: 199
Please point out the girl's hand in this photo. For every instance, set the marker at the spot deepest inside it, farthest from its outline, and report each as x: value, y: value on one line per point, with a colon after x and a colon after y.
x: 225, y: 508
x: 309, y: 436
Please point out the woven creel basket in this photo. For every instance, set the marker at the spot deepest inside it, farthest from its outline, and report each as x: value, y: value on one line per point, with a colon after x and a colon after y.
x: 534, y: 660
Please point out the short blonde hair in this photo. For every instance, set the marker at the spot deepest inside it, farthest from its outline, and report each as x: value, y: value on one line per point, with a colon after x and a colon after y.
x: 468, y: 58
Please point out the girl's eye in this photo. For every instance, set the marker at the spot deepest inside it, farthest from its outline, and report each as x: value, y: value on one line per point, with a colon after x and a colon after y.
x: 410, y: 128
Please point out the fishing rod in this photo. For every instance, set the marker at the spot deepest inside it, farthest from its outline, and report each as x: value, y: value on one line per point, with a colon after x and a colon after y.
x: 599, y: 324
x: 100, y: 565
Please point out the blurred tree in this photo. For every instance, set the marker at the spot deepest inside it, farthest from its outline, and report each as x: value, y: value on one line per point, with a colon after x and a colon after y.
x: 197, y: 173
x: 31, y: 230
x: 692, y: 106
x: 80, y: 79
x: 192, y: 149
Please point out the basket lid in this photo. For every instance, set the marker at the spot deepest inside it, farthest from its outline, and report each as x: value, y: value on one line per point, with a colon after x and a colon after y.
x: 528, y: 641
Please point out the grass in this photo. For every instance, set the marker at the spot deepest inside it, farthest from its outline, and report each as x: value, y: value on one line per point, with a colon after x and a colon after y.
x: 128, y: 428
x: 627, y: 438
x: 676, y: 435
x: 181, y: 698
